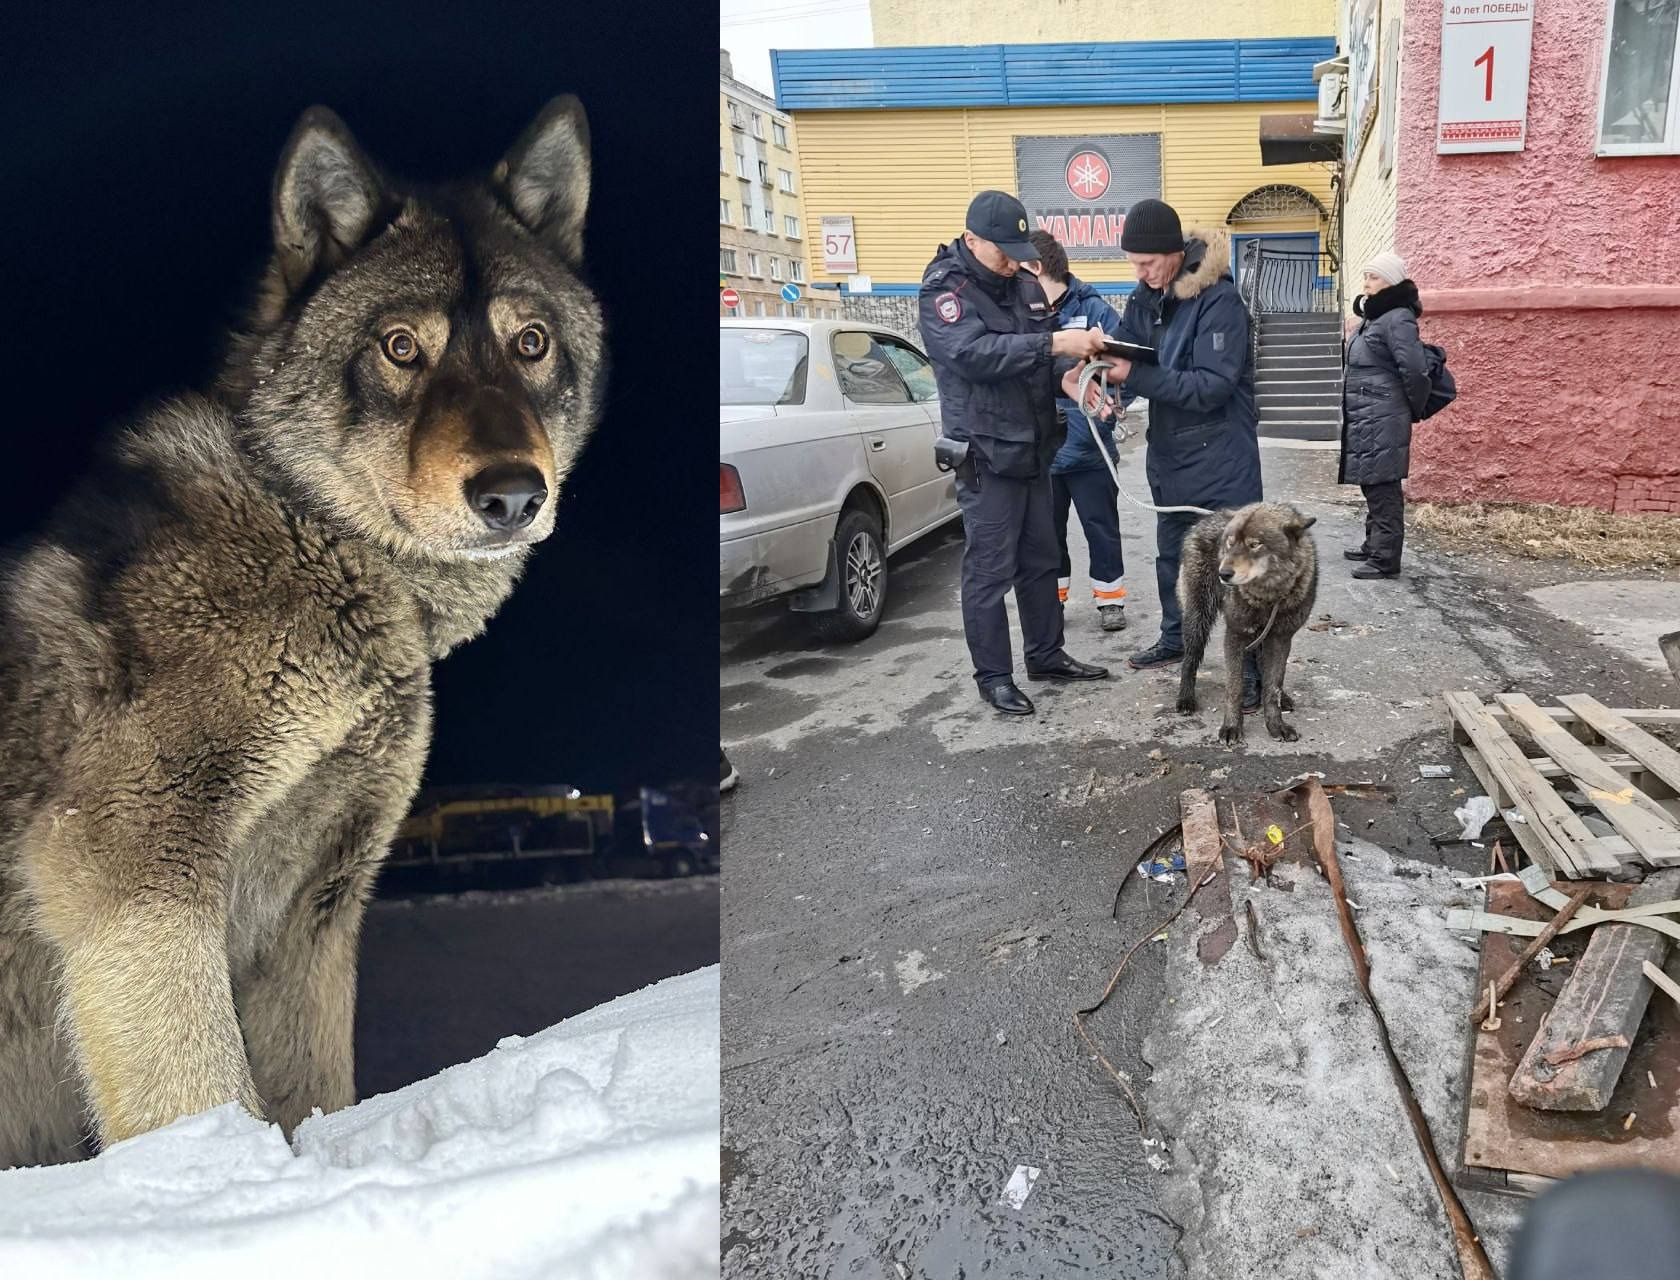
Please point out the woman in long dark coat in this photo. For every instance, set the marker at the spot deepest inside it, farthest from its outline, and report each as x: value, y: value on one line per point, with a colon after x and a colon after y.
x: 1383, y: 393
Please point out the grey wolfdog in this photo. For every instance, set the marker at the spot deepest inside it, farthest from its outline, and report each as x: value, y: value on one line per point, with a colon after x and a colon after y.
x: 1259, y: 567
x: 215, y: 660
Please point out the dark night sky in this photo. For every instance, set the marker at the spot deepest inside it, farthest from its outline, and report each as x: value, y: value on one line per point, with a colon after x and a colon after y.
x: 137, y: 146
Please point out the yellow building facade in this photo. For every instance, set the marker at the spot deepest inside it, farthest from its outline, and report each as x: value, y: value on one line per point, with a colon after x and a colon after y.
x: 906, y: 176
x: 898, y: 139
x: 915, y: 22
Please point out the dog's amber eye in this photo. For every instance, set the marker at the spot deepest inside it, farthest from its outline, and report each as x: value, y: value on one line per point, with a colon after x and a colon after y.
x: 1254, y: 546
x: 533, y: 342
x: 400, y: 347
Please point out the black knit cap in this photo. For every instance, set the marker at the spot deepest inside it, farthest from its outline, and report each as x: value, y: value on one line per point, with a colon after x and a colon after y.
x: 1152, y: 227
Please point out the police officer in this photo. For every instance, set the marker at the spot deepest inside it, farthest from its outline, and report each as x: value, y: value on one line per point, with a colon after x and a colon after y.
x: 988, y: 330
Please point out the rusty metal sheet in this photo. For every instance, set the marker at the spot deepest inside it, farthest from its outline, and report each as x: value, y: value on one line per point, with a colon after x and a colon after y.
x: 1503, y: 1135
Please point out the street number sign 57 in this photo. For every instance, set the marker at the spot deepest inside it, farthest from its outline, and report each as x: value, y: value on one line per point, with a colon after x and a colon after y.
x: 1483, y: 102
x: 839, y: 244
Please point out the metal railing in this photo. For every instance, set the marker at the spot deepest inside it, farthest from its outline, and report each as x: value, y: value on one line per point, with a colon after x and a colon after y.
x: 1274, y: 280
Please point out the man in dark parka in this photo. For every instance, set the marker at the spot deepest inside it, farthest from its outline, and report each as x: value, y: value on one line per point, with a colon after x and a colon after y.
x: 1204, y: 448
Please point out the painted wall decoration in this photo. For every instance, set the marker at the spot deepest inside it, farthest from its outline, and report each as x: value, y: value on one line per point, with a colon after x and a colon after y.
x: 1388, y: 98
x: 1362, y: 77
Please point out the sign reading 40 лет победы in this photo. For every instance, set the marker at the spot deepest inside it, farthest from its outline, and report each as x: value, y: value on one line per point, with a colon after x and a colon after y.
x: 1483, y: 103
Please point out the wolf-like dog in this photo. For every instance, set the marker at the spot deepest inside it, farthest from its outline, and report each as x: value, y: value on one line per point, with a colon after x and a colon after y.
x: 1258, y: 566
x: 215, y: 659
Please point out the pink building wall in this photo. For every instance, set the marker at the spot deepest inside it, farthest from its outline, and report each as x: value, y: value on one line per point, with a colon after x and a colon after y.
x: 1552, y: 278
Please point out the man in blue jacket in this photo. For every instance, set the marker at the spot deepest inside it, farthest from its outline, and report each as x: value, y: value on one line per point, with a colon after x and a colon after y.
x: 1078, y: 474
x: 1204, y: 448
x: 988, y: 332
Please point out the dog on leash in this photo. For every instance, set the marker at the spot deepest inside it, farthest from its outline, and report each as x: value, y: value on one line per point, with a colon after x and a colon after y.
x: 215, y: 660
x: 1258, y: 567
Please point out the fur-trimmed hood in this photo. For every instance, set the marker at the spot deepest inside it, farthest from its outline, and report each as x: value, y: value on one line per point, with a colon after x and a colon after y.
x: 1405, y: 294
x: 1207, y: 258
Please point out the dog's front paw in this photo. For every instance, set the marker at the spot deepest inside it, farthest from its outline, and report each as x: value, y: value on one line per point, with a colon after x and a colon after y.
x: 1231, y: 733
x: 1187, y: 704
x: 1284, y: 732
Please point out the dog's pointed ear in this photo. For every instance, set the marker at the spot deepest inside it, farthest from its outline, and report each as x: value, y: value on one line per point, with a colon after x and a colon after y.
x: 327, y: 197
x: 544, y: 179
x: 1300, y: 523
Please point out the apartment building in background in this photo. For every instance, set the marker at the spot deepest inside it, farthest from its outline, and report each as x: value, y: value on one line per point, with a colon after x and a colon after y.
x: 762, y: 236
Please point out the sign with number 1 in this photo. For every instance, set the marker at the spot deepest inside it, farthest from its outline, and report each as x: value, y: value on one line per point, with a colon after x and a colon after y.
x: 1483, y: 102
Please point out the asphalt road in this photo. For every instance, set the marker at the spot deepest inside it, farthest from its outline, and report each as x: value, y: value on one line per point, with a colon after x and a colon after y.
x: 919, y: 892
x: 443, y: 978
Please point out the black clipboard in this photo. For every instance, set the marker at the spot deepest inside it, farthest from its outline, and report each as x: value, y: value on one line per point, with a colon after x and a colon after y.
x: 1134, y: 351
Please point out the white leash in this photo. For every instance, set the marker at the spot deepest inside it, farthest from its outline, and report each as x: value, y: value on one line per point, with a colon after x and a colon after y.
x: 1097, y: 371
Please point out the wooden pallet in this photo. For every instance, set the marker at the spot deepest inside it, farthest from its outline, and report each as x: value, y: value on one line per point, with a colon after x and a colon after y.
x: 1522, y: 752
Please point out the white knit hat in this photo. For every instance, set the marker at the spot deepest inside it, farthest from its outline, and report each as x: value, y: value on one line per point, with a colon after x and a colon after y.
x: 1390, y: 266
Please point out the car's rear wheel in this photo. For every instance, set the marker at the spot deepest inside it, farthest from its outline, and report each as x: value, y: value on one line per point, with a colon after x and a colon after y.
x: 863, y: 579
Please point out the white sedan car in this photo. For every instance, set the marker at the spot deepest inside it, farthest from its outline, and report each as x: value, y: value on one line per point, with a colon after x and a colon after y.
x: 826, y: 435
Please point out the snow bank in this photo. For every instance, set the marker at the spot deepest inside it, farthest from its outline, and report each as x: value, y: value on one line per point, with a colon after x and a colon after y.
x: 589, y: 1150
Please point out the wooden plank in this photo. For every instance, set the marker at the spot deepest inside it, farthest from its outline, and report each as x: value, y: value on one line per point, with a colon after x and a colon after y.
x: 1639, y: 715
x: 1609, y: 849
x: 1554, y: 822
x: 1644, y: 823
x: 1533, y: 843
x: 1658, y: 758
x: 1203, y: 845
x: 1547, y: 767
x: 1603, y: 999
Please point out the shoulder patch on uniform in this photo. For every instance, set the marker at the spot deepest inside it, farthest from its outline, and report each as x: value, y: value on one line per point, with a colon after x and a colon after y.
x: 949, y: 307
x: 1218, y: 340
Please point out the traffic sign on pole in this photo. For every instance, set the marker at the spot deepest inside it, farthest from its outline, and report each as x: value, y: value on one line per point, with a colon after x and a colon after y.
x: 790, y: 293
x: 731, y: 299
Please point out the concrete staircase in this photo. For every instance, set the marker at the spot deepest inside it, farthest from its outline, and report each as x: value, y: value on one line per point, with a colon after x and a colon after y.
x: 1298, y: 382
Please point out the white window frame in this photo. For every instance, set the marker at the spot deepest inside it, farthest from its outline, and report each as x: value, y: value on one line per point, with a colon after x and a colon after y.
x: 778, y: 130
x: 787, y: 180
x: 790, y: 226
x: 723, y: 212
x: 735, y: 121
x: 1671, y: 145
x: 758, y: 307
x: 755, y: 266
x: 769, y: 221
x: 741, y: 165
x: 727, y: 262
x: 757, y: 125
x: 798, y: 272
x: 775, y: 268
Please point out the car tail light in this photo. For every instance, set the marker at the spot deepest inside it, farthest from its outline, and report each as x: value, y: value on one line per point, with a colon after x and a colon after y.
x: 730, y: 496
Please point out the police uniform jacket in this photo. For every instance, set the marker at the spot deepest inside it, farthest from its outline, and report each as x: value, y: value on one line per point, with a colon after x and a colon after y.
x: 989, y: 339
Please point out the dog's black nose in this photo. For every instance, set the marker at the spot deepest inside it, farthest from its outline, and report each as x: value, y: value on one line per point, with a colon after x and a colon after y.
x: 1225, y: 575
x: 508, y: 495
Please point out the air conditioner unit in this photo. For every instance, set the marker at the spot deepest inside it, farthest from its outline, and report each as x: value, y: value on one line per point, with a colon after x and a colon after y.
x: 1332, y: 112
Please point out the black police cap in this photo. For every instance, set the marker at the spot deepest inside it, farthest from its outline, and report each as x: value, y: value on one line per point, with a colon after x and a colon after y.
x: 1001, y: 218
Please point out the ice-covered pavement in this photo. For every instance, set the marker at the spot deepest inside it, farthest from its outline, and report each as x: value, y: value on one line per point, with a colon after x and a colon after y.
x: 587, y: 1150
